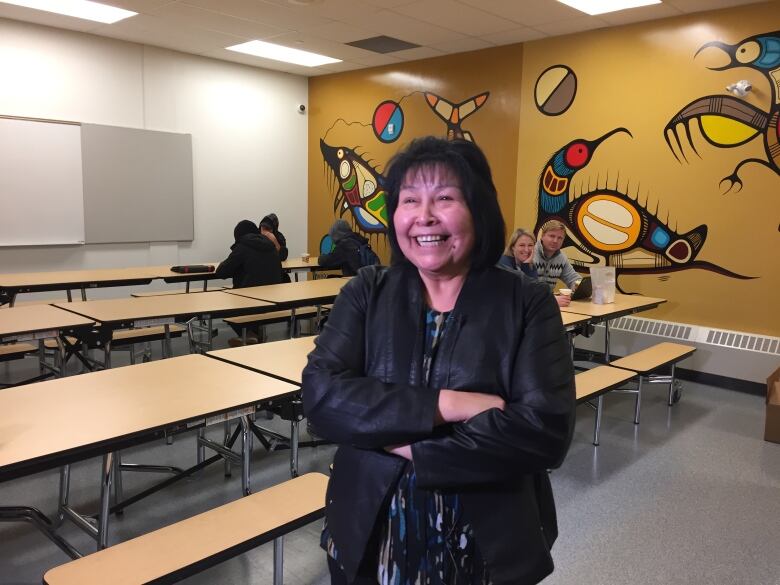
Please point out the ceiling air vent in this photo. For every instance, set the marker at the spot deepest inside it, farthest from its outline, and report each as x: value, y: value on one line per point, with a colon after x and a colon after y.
x: 382, y: 44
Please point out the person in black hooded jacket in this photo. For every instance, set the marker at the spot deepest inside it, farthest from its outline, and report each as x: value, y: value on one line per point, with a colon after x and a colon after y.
x: 253, y: 259
x: 270, y: 223
x: 346, y: 254
x: 269, y: 227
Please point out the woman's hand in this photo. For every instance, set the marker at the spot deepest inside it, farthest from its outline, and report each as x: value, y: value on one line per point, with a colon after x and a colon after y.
x: 404, y: 451
x: 563, y: 300
x: 457, y: 406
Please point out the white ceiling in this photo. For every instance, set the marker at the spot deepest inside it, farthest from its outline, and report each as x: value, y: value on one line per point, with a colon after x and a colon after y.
x: 205, y: 27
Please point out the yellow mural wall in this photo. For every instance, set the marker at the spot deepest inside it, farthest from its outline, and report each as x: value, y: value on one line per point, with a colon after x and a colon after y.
x: 639, y: 77
x: 341, y: 109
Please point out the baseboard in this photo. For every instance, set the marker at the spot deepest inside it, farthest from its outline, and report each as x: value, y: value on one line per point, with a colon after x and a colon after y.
x: 721, y: 381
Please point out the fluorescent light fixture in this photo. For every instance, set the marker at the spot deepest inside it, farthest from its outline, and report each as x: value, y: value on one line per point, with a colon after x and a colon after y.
x: 78, y: 9
x: 280, y: 53
x: 594, y: 7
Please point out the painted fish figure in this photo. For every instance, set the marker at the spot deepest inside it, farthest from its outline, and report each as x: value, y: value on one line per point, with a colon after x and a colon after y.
x: 359, y: 190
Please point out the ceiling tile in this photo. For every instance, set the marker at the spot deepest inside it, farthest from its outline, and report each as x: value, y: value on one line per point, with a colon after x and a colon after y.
x: 160, y: 32
x: 370, y: 59
x: 405, y: 28
x: 464, y: 44
x: 340, y: 32
x: 518, y: 35
x: 572, y: 25
x: 417, y: 53
x: 455, y: 16
x: 329, y: 9
x: 389, y: 3
x: 206, y: 19
x: 527, y: 13
x: 265, y: 12
x: 138, y: 5
x: 336, y: 68
x: 314, y: 44
x: 699, y: 5
x: 640, y: 14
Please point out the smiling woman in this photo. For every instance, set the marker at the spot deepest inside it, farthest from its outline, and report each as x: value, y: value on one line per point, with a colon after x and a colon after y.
x: 448, y: 385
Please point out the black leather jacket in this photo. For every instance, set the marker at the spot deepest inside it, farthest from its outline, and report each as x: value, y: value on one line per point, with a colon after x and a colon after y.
x: 362, y: 390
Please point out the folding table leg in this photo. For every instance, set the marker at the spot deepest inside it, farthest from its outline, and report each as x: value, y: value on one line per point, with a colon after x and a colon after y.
x: 638, y: 402
x: 597, y: 424
x: 106, y: 477
x: 279, y: 560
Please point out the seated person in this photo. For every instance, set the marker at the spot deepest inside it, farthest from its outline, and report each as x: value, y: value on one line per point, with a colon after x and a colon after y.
x: 346, y: 253
x: 519, y: 253
x: 551, y: 263
x: 253, y: 261
x: 269, y: 227
x: 271, y: 224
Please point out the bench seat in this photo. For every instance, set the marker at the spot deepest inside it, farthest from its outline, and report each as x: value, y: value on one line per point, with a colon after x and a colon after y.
x: 12, y: 351
x: 596, y: 382
x: 179, y: 550
x: 648, y: 361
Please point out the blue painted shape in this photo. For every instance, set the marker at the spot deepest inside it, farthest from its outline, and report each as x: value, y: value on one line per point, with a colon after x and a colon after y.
x: 660, y: 237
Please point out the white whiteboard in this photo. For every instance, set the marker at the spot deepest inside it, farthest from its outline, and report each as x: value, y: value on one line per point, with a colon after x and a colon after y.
x: 41, y: 191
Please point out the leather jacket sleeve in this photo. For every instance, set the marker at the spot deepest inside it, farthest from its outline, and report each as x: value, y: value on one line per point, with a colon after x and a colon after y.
x: 345, y: 405
x: 532, y: 433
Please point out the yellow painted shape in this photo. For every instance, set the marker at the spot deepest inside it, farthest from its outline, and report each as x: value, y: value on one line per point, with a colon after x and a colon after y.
x: 548, y: 83
x: 609, y: 223
x: 725, y: 131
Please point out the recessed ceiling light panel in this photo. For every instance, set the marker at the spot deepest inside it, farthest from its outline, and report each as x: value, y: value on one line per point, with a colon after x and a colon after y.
x: 78, y: 9
x: 281, y: 53
x: 594, y: 7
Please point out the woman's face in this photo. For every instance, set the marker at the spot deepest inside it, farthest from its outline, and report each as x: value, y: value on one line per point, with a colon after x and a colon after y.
x: 523, y: 249
x: 433, y: 223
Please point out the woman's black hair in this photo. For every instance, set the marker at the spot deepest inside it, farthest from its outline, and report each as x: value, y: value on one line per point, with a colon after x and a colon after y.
x: 468, y: 163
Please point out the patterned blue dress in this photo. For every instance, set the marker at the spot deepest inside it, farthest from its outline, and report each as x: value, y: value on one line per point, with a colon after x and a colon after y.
x: 423, y: 539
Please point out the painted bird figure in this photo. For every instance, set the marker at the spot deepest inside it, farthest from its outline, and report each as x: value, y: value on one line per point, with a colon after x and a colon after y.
x: 728, y: 122
x: 606, y: 227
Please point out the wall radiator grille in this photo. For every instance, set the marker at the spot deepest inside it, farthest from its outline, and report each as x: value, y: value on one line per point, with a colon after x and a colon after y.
x: 734, y: 339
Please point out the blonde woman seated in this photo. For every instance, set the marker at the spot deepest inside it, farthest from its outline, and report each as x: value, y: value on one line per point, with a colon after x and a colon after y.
x: 519, y: 256
x: 519, y: 253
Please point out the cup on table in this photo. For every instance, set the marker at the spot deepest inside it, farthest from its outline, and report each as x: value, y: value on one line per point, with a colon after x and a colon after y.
x: 565, y: 291
x: 305, y: 256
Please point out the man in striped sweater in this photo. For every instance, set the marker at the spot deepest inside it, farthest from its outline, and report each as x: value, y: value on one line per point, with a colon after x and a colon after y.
x: 550, y: 262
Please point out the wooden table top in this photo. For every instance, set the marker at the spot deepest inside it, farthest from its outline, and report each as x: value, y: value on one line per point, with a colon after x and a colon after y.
x: 297, y: 263
x: 47, y: 423
x: 282, y: 359
x: 573, y: 319
x: 33, y: 318
x: 622, y: 304
x: 295, y: 293
x: 175, y: 291
x: 134, y: 308
x: 77, y: 277
x: 599, y: 380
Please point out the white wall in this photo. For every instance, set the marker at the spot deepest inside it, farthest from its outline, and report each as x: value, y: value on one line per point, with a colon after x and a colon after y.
x: 248, y: 139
